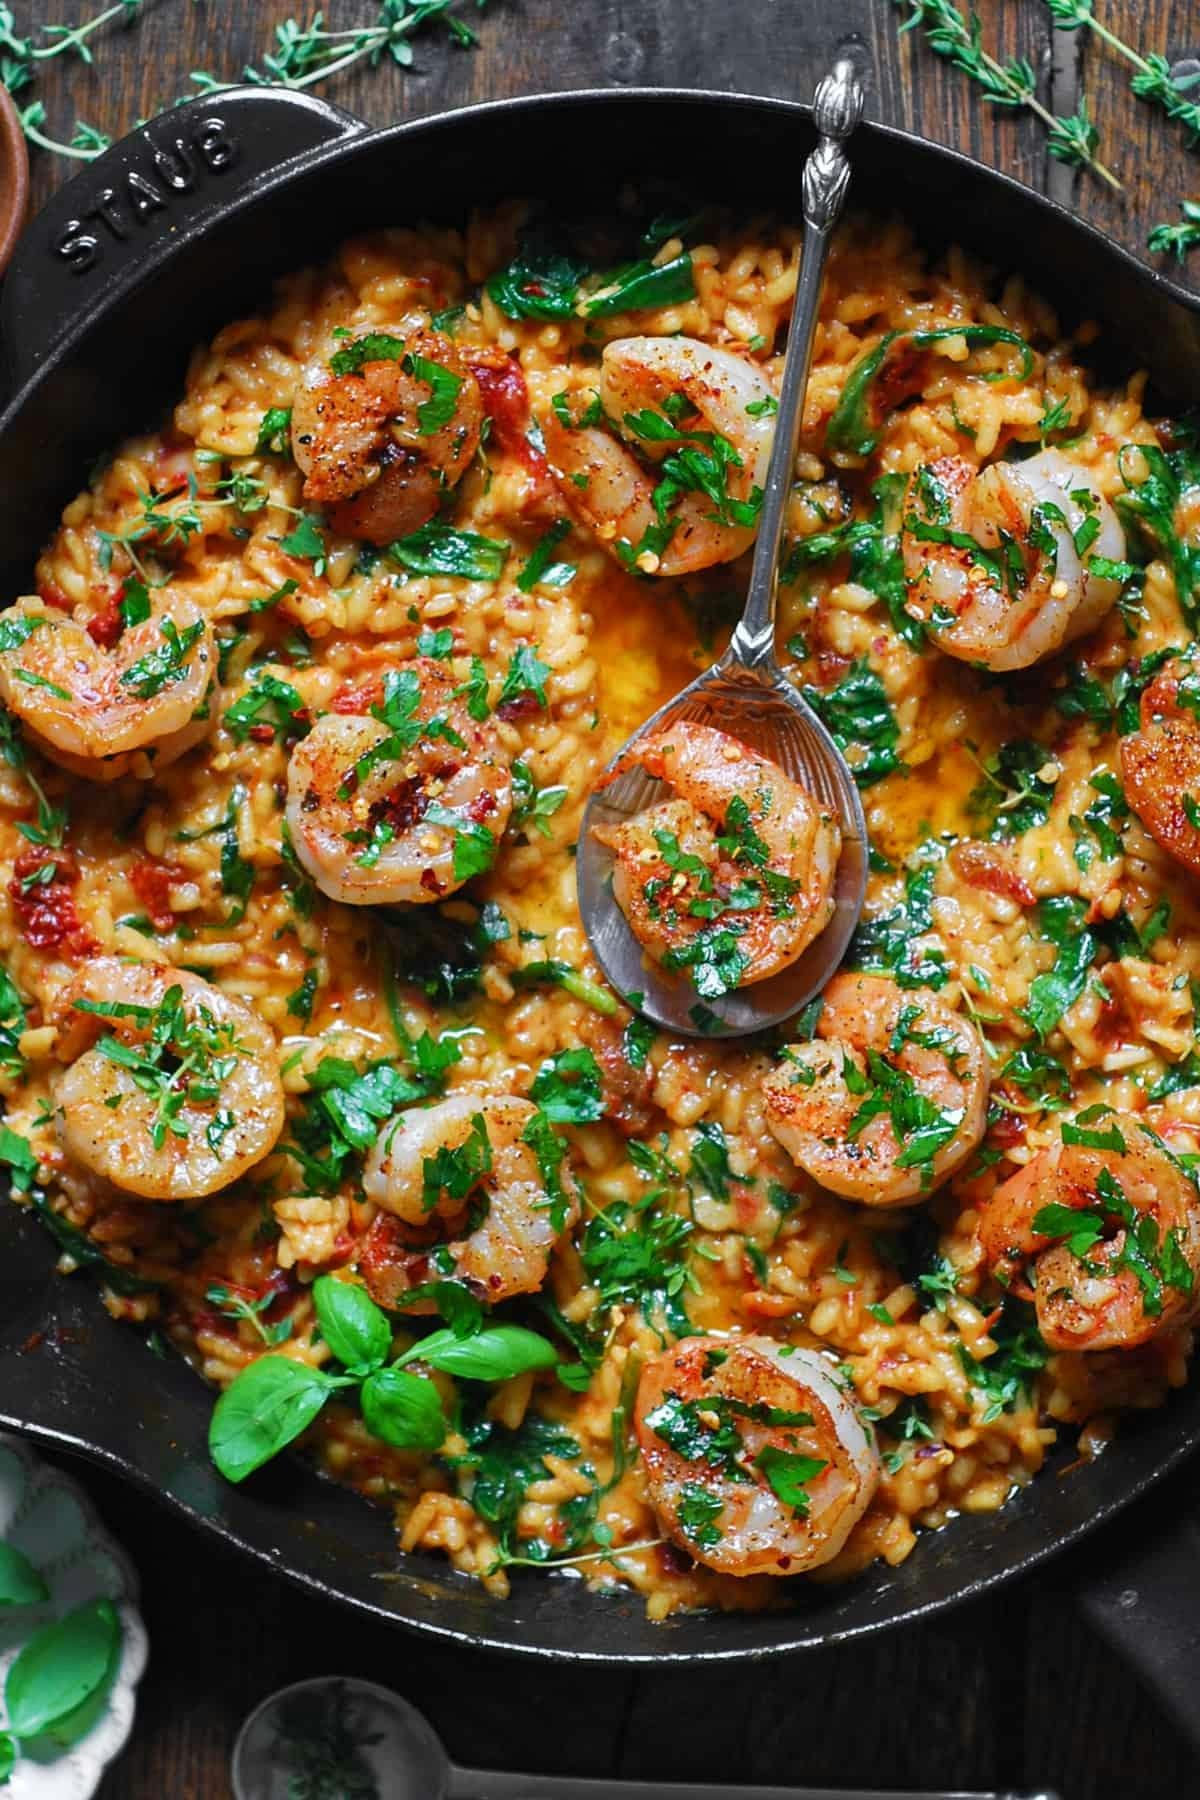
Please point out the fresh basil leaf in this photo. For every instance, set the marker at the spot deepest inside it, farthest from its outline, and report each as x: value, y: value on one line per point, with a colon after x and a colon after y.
x: 267, y: 1405
x: 356, y: 1330
x: 20, y: 1583
x: 60, y: 1667
x: 403, y: 1410
x: 495, y: 1354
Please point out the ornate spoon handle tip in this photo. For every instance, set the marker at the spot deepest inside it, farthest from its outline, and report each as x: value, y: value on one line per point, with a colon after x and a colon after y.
x: 837, y: 109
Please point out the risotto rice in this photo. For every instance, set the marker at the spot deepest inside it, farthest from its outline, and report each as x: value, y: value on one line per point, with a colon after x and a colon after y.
x: 1004, y: 856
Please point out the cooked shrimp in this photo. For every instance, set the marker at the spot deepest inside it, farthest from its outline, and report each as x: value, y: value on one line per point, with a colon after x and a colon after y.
x: 391, y: 805
x: 734, y: 878
x: 90, y: 708
x: 172, y: 1089
x: 756, y: 1461
x: 464, y: 1174
x: 888, y: 1099
x: 381, y: 442
x: 1160, y: 762
x: 683, y: 392
x: 1009, y: 586
x: 1112, y: 1229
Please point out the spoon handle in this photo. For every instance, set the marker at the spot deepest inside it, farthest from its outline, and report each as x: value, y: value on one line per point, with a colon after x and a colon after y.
x: 477, y: 1784
x: 837, y: 109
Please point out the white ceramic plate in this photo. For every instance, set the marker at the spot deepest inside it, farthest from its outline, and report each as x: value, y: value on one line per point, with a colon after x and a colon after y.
x: 44, y: 1514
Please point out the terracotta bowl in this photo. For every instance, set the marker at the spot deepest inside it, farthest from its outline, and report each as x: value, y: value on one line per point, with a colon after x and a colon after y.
x: 14, y: 177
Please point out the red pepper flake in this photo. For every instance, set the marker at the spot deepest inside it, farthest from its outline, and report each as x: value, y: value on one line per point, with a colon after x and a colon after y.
x: 262, y: 734
x: 481, y: 807
x: 151, y: 882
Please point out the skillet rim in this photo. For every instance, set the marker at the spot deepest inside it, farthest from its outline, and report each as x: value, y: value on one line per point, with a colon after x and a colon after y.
x: 122, y: 284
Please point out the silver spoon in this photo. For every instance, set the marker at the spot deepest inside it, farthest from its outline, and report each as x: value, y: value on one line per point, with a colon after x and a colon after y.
x: 410, y: 1763
x: 746, y: 692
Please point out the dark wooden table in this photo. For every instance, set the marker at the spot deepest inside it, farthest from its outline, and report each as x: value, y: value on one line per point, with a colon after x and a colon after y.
x: 1013, y: 1692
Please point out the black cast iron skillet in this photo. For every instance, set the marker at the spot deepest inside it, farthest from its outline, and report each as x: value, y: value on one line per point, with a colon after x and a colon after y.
x: 179, y: 228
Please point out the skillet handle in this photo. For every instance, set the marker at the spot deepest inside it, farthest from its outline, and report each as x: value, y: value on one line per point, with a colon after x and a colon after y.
x: 1139, y: 1590
x: 151, y: 192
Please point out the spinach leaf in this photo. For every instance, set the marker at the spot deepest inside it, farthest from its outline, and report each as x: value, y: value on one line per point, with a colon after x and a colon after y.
x: 554, y: 973
x: 876, y: 558
x: 858, y: 419
x: 859, y: 718
x: 504, y: 1465
x: 541, y: 281
x: 12, y: 1024
x: 642, y: 284
x: 81, y: 1249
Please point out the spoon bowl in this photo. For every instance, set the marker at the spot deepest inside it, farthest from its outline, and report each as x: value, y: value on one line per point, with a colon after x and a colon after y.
x: 761, y: 708
x: 746, y: 694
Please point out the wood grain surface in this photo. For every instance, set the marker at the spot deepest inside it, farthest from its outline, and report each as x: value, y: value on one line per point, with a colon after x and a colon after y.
x: 1011, y: 1693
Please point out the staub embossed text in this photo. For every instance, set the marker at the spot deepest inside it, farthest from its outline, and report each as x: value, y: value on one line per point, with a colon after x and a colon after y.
x: 170, y: 167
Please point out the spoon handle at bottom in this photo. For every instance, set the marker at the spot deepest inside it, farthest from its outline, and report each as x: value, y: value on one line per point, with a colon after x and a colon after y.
x: 478, y: 1784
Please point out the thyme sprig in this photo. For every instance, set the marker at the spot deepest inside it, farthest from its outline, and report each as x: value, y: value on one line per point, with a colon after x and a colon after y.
x: 1176, y: 240
x: 306, y: 54
x: 1071, y: 140
x: 1152, y: 79
x: 19, y: 57
x: 302, y: 56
